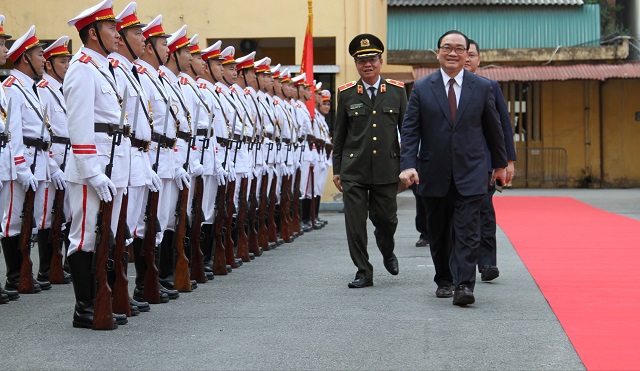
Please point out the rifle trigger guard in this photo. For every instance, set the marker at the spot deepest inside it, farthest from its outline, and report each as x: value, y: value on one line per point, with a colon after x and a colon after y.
x: 110, y: 264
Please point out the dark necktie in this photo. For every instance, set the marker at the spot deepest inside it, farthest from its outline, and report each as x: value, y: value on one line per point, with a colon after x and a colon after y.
x: 373, y: 94
x: 135, y: 73
x: 61, y: 91
x: 112, y: 71
x: 453, y: 106
x: 35, y: 90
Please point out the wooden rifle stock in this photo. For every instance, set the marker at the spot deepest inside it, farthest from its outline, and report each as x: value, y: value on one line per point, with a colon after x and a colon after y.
x: 296, y: 203
x: 263, y: 238
x: 151, y: 290
x: 103, y: 312
x: 285, y: 225
x: 197, y: 258
x: 254, y: 246
x: 228, y: 240
x: 56, y: 237
x: 272, y: 229
x: 26, y: 274
x: 219, y: 260
x: 243, y: 243
x: 121, y: 300
x: 182, y: 281
x: 311, y: 183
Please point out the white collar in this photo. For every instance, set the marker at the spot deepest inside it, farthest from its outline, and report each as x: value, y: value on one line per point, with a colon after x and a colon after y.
x: 375, y: 85
x: 446, y: 78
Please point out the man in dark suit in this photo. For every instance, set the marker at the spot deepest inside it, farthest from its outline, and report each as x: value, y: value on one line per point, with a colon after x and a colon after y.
x: 366, y: 156
x: 451, y: 117
x: 487, y: 260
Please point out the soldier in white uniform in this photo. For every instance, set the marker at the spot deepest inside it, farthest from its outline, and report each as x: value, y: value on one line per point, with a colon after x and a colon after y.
x: 179, y: 60
x: 93, y: 116
x: 7, y: 168
x: 142, y: 178
x: 324, y: 157
x: 163, y: 139
x: 29, y: 142
x: 57, y: 58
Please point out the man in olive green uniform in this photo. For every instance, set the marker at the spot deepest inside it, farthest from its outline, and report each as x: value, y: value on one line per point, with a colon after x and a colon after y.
x: 366, y: 156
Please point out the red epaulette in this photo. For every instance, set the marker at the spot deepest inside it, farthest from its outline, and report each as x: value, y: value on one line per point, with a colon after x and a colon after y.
x: 299, y: 105
x: 347, y: 86
x: 161, y: 73
x: 43, y: 83
x: 85, y: 58
x: 218, y: 89
x: 275, y: 102
x: 232, y: 89
x: 395, y: 82
x: 114, y: 62
x: 9, y: 81
x: 141, y: 69
x: 183, y: 81
x: 202, y: 85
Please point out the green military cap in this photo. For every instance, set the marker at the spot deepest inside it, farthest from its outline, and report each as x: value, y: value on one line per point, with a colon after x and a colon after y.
x: 365, y: 45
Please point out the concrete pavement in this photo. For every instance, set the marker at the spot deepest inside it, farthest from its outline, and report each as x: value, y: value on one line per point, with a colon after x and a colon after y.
x: 291, y: 309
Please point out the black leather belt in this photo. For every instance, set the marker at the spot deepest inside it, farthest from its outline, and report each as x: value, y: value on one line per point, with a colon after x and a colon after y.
x: 142, y: 145
x: 286, y: 140
x: 246, y: 139
x: 202, y: 132
x: 60, y: 140
x: 101, y: 127
x: 222, y: 141
x: 268, y: 135
x: 184, y: 136
x: 163, y: 141
x: 300, y: 140
x: 5, y: 138
x: 36, y: 143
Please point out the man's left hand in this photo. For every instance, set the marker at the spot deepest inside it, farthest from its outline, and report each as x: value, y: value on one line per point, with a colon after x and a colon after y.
x: 500, y: 174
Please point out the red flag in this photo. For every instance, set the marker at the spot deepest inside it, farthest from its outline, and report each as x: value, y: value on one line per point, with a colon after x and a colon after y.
x: 307, y: 59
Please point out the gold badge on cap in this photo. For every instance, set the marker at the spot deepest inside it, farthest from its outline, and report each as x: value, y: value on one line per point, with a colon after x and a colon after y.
x: 364, y: 42
x: 66, y: 43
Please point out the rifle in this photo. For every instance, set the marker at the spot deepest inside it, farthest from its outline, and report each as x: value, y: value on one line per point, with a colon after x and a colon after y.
x: 56, y: 237
x: 26, y: 274
x: 197, y: 216
x: 103, y: 312
x: 263, y: 239
x: 151, y: 290
x: 254, y: 246
x: 243, y: 248
x: 296, y: 196
x: 285, y: 216
x: 231, y: 188
x: 182, y: 280
x: 121, y: 299
x: 219, y: 261
x: 272, y: 229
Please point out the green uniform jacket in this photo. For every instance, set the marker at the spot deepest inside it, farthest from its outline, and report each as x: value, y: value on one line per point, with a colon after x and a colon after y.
x: 365, y: 138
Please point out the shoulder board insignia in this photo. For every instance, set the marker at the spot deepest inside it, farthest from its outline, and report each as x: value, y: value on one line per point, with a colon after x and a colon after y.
x: 247, y: 91
x: 360, y: 89
x: 218, y: 89
x: 183, y: 80
x: 347, y: 86
x: 114, y: 62
x: 160, y: 72
x: 232, y: 89
x: 141, y: 69
x: 299, y: 105
x: 202, y: 85
x: 395, y: 82
x: 43, y: 83
x: 383, y: 88
x: 85, y: 58
x: 275, y: 102
x: 9, y: 81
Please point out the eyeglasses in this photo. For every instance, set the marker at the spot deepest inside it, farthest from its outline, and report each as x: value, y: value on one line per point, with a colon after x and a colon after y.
x: 365, y: 61
x: 458, y: 49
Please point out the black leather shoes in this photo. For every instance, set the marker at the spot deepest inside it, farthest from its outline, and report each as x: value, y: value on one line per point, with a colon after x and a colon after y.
x: 463, y: 296
x: 120, y: 319
x: 391, y: 264
x: 422, y: 243
x: 12, y: 295
x: 359, y: 283
x: 138, y: 295
x: 4, y: 299
x: 209, y: 275
x: 11, y: 286
x: 173, y: 294
x: 142, y: 306
x: 444, y: 291
x: 489, y: 273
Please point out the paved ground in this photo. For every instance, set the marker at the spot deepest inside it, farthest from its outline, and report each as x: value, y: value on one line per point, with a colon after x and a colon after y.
x: 291, y: 309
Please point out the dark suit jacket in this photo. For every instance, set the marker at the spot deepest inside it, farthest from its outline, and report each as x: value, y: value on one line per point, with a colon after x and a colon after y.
x: 365, y: 138
x: 505, y: 122
x: 452, y: 150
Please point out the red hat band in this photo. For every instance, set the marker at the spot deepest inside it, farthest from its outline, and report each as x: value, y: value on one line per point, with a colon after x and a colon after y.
x: 154, y: 31
x: 181, y: 42
x: 62, y: 49
x: 128, y: 21
x: 28, y: 44
x: 102, y: 15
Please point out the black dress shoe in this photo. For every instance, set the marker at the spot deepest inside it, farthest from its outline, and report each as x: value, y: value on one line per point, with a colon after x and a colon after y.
x: 252, y: 256
x: 463, y: 296
x: 391, y: 264
x: 4, y: 299
x: 120, y: 319
x: 11, y: 286
x: 209, y: 275
x: 44, y: 285
x: 142, y: 306
x: 359, y: 283
x: 194, y: 285
x: 444, y: 291
x: 138, y: 295
x: 134, y: 310
x: 279, y: 241
x: 489, y: 273
x: 166, y: 282
x: 173, y: 294
x: 422, y: 243
x: 13, y: 295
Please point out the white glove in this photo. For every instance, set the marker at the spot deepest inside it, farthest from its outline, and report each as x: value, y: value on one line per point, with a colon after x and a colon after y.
x: 104, y: 187
x: 244, y: 175
x: 222, y: 177
x: 153, y: 183
x: 31, y: 181
x: 231, y: 174
x: 197, y: 170
x: 257, y: 171
x: 182, y: 178
x: 57, y: 178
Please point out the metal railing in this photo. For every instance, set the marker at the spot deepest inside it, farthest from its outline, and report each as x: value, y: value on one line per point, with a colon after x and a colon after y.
x: 543, y: 165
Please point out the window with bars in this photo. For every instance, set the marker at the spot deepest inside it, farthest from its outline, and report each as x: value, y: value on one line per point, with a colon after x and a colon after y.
x: 523, y: 102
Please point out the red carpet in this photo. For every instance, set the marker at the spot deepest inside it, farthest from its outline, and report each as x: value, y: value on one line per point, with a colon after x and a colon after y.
x: 586, y: 263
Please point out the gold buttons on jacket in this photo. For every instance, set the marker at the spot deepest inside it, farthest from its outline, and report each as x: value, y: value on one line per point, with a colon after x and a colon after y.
x: 390, y: 111
x: 374, y: 151
x: 374, y: 138
x: 374, y: 125
x: 350, y: 155
x: 374, y: 112
x: 356, y: 113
